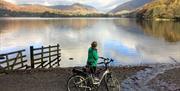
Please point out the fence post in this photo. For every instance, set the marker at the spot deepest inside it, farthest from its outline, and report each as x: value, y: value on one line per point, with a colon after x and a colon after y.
x: 32, y: 56
x: 7, y: 62
x: 50, y: 56
x: 58, y: 54
x: 42, y: 57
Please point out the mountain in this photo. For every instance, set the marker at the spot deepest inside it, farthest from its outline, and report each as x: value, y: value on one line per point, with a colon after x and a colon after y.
x: 9, y: 9
x: 129, y: 6
x: 77, y: 7
x: 23, y: 8
x: 167, y: 9
x: 6, y: 5
x: 59, y: 6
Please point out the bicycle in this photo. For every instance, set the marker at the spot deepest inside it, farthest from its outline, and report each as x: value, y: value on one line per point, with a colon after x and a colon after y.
x: 81, y: 80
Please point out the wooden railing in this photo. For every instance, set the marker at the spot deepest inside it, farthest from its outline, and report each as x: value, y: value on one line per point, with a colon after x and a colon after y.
x: 13, y: 61
x: 45, y: 57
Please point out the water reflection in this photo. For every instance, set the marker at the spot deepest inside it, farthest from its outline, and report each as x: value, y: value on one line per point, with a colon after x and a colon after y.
x: 170, y: 31
x: 150, y: 48
x: 6, y: 25
x: 127, y: 41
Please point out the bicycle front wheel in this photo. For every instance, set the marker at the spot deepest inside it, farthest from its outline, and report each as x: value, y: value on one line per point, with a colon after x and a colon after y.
x: 112, y: 83
x: 76, y: 83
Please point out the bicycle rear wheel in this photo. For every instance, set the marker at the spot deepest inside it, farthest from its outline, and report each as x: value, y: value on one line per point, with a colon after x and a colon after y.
x: 112, y: 83
x: 76, y: 83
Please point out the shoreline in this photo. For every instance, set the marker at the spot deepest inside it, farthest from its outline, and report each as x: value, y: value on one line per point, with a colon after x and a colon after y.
x: 95, y: 17
x: 130, y: 77
x: 50, y: 79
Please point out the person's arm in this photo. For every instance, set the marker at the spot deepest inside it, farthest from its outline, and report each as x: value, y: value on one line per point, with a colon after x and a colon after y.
x: 89, y: 55
x: 95, y: 54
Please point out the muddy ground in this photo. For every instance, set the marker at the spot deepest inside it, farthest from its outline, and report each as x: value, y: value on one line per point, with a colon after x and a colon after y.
x: 51, y: 79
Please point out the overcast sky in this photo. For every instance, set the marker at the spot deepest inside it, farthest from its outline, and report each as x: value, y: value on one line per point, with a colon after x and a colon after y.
x: 103, y: 5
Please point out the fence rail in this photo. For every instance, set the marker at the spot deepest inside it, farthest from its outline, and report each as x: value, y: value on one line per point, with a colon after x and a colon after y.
x: 42, y: 57
x: 46, y: 57
x: 13, y: 61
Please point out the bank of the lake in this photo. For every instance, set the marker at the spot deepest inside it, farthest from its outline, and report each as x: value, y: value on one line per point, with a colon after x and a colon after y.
x: 51, y: 79
x: 156, y: 77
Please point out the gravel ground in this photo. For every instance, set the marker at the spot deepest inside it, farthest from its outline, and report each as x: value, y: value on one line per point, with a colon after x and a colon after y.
x: 51, y: 79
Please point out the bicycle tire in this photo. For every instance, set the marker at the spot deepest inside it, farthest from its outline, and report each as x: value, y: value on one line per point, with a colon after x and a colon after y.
x: 76, y: 79
x: 112, y: 83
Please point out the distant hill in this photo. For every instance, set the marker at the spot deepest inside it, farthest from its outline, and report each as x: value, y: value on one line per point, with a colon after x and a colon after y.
x: 30, y: 8
x: 129, y: 6
x: 9, y: 9
x: 59, y: 6
x: 77, y: 7
x: 168, y: 9
x: 73, y: 6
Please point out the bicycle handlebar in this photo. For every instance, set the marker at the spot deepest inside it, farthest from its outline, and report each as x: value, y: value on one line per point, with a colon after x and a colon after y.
x: 106, y: 60
x: 2, y: 56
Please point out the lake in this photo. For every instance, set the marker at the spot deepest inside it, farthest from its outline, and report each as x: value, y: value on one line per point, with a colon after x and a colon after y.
x: 127, y: 41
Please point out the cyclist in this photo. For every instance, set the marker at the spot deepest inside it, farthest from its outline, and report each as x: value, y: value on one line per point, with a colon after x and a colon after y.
x: 92, y: 59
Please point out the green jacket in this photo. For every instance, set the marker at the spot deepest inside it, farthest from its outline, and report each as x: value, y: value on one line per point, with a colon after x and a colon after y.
x: 92, y: 57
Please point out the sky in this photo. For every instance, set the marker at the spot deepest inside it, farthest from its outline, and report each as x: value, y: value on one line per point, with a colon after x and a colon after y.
x: 102, y: 5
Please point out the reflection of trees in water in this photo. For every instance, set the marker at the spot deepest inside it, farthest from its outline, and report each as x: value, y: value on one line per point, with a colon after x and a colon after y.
x: 128, y: 25
x: 77, y: 24
x: 16, y: 25
x: 125, y: 23
x: 1, y: 27
x: 170, y: 31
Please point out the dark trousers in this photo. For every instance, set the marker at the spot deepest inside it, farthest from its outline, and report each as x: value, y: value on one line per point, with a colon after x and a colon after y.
x: 93, y: 70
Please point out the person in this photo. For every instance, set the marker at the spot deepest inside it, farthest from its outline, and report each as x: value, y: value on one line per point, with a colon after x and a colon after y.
x: 92, y: 59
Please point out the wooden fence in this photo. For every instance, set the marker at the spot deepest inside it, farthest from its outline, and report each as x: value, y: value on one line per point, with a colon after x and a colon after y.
x: 45, y: 57
x: 13, y: 61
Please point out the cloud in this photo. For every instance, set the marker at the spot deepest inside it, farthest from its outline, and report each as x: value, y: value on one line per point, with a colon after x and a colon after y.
x: 47, y: 3
x: 103, y: 5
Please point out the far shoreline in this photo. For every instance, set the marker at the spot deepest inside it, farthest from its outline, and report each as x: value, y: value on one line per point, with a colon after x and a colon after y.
x: 93, y: 17
x: 65, y: 17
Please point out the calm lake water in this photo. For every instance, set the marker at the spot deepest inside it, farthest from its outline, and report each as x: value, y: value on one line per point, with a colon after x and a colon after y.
x: 127, y: 41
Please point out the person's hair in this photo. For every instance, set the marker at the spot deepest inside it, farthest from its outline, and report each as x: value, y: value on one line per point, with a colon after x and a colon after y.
x: 94, y: 44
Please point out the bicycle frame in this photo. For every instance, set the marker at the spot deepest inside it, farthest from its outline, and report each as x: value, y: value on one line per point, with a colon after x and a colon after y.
x: 89, y: 78
x: 102, y: 77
